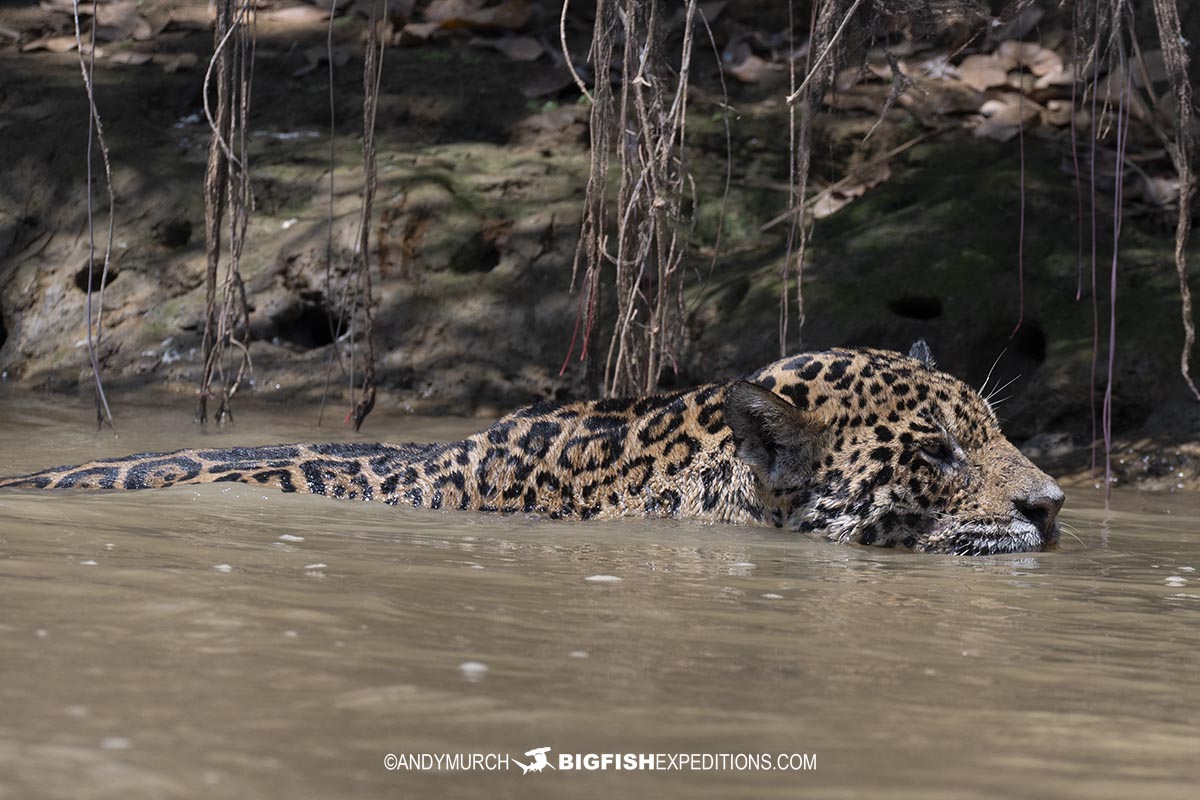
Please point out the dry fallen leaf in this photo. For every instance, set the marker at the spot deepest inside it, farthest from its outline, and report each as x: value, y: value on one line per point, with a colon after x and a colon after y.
x: 937, y: 67
x: 869, y: 97
x: 882, y: 68
x: 1046, y: 62
x: 397, y: 9
x: 130, y: 57
x: 982, y: 72
x: 901, y: 49
x: 66, y: 7
x: 297, y: 15
x: 1031, y: 56
x: 939, y: 98
x: 510, y: 15
x: 848, y: 78
x: 1012, y: 54
x: 1063, y: 77
x: 55, y: 44
x: 829, y: 204
x: 1003, y: 116
x: 119, y: 21
x: 442, y: 10
x: 864, y: 177
x: 861, y: 179
x: 1058, y: 113
x: 181, y: 63
x: 421, y: 30
x: 1010, y: 109
x: 753, y: 69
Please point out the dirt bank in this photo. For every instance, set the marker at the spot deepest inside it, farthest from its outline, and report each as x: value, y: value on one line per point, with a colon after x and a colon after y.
x: 482, y: 164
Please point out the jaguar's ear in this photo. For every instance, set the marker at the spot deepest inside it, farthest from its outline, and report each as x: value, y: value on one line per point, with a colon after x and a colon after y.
x: 770, y: 433
x: 921, y: 352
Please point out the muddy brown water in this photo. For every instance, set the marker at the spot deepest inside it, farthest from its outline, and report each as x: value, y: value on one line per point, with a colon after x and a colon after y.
x: 225, y: 642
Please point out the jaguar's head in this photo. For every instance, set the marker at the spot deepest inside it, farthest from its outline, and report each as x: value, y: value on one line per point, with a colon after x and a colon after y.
x: 879, y: 448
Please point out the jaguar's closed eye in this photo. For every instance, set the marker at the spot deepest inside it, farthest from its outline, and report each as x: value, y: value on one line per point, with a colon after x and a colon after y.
x: 939, y: 451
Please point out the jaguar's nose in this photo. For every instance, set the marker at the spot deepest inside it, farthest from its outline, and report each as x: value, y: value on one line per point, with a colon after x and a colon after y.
x: 1041, y: 506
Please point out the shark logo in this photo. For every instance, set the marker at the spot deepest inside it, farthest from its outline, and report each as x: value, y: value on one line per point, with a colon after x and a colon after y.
x: 539, y: 762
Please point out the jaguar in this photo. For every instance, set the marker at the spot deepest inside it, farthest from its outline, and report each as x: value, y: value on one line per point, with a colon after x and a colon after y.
x: 858, y: 445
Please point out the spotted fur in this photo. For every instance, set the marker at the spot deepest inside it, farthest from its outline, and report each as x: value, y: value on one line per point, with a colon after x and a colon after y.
x: 865, y: 446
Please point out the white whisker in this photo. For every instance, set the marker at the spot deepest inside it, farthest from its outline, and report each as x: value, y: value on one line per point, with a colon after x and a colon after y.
x: 1001, y: 388
x: 983, y: 386
x: 1073, y: 536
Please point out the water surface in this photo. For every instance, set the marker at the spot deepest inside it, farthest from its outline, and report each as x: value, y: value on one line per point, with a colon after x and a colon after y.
x: 226, y: 642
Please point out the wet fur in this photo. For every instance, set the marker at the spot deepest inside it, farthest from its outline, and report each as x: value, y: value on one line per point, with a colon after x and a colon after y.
x: 835, y: 442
